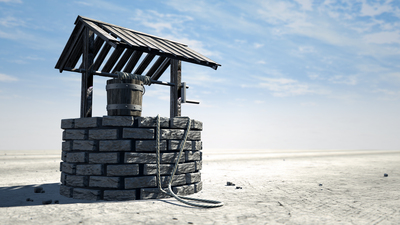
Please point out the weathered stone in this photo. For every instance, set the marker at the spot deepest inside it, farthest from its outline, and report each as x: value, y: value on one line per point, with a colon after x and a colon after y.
x: 66, y: 191
x: 134, y: 157
x: 179, y: 179
x: 75, y: 157
x: 181, y: 122
x: 175, y: 144
x: 198, y: 187
x: 103, y: 157
x: 199, y: 165
x: 165, y: 169
x: 76, y: 181
x: 89, y: 169
x: 150, y: 146
x: 87, y: 194
x: 121, y: 195
x: 83, y: 145
x: 193, y: 156
x: 138, y: 133
x: 140, y: 182
x: 153, y: 193
x: 64, y: 156
x: 123, y: 170
x: 175, y: 134
x: 104, y: 182
x: 74, y: 134
x: 103, y: 134
x: 66, y: 146
x: 171, y: 157
x: 118, y: 121
x: 152, y: 122
x: 67, y: 123
x: 184, y: 189
x: 197, y: 145
x: 63, y: 177
x: 87, y: 122
x: 193, y: 177
x: 118, y: 145
x: 68, y: 168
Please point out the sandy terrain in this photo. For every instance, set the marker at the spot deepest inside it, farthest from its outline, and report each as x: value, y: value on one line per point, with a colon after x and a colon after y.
x: 278, y: 187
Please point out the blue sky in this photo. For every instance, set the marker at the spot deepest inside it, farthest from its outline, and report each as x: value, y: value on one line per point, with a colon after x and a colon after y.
x: 295, y: 74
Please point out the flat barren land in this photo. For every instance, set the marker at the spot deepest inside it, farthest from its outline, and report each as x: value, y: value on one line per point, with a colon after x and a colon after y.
x: 271, y: 187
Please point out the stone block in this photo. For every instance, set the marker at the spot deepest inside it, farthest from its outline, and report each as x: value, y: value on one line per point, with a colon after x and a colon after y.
x: 152, y: 122
x: 123, y: 170
x: 118, y: 121
x: 65, y: 191
x: 179, y: 179
x: 181, y: 122
x: 87, y: 122
x: 140, y: 182
x: 198, y: 187
x: 89, y: 169
x: 184, y: 189
x: 67, y: 123
x: 174, y: 145
x: 104, y: 157
x: 66, y: 146
x: 142, y: 158
x: 87, y: 194
x: 84, y: 145
x: 193, y: 177
x: 186, y: 168
x: 104, y: 182
x: 149, y: 146
x: 165, y: 169
x: 175, y: 134
x: 63, y: 177
x: 64, y: 156
x: 192, y: 156
x: 199, y: 165
x: 76, y: 157
x: 103, y: 134
x: 172, y: 157
x: 197, y: 145
x: 68, y: 168
x: 76, y: 181
x: 120, y: 195
x: 138, y: 133
x: 117, y: 145
x: 153, y: 193
x: 74, y: 134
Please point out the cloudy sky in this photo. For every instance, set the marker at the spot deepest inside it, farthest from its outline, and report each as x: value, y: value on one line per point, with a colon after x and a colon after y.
x: 295, y: 74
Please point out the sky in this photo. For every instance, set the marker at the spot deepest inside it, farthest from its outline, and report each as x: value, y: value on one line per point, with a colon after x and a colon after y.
x: 295, y: 74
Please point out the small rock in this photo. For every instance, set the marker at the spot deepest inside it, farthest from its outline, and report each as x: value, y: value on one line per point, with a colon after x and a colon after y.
x: 385, y: 175
x: 238, y: 187
x: 230, y: 184
x: 47, y: 202
x: 320, y: 185
x: 190, y: 222
x: 38, y: 190
x: 175, y: 218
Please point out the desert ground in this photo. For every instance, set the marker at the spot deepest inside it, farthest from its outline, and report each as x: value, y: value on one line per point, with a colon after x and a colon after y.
x: 271, y: 187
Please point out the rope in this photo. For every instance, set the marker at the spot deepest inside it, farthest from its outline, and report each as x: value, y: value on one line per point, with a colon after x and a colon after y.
x: 211, y: 203
x: 145, y: 79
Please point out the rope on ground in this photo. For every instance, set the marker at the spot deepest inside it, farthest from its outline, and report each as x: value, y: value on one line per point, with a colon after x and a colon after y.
x: 183, y: 199
x: 124, y: 75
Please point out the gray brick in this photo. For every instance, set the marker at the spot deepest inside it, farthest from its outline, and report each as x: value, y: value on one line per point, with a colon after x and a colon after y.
x: 83, y: 145
x: 142, y: 158
x: 87, y: 194
x: 118, y: 121
x: 120, y: 195
x: 103, y: 134
x: 175, y: 134
x: 181, y: 122
x: 66, y: 146
x: 193, y: 156
x: 174, y: 145
x: 184, y: 189
x: 199, y: 165
x: 179, y: 179
x: 118, y: 145
x: 64, y: 156
x: 140, y: 182
x: 104, y: 182
x: 103, y: 157
x: 138, y: 133
x: 152, y: 193
x: 152, y: 122
x: 193, y: 177
x: 198, y: 187
x: 89, y: 169
x: 67, y: 123
x: 150, y: 146
x: 66, y: 191
x: 123, y: 170
x: 87, y: 122
x: 76, y: 181
x: 197, y: 145
x: 165, y: 169
x: 63, y: 177
x: 75, y: 157
x: 74, y: 134
x: 68, y: 168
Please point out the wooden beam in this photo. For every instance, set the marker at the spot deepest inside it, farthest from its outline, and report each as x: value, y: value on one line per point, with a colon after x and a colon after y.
x: 113, y: 59
x: 87, y: 76
x: 161, y: 69
x: 133, y: 61
x: 102, y: 55
x: 146, y: 61
x: 155, y: 66
x: 121, y: 63
x: 175, y: 90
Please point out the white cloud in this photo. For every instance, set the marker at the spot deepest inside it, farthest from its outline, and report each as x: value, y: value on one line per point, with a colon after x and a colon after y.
x: 383, y: 37
x: 258, y: 45
x: 340, y: 79
x: 11, y: 1
x: 11, y: 21
x: 375, y: 9
x: 305, y: 4
x: 7, y: 78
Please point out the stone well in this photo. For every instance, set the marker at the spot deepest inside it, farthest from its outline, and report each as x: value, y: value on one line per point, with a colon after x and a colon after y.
x: 114, y: 157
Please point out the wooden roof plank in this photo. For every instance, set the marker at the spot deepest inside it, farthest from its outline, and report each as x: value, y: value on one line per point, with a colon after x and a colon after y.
x: 98, y: 42
x: 161, y: 69
x: 174, y: 50
x: 75, y: 54
x: 102, y: 55
x: 155, y: 66
x: 100, y: 32
x: 125, y: 57
x: 133, y: 61
x: 113, y: 59
x: 146, y: 61
x: 122, y: 36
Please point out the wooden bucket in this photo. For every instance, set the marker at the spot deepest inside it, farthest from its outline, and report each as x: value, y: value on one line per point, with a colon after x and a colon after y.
x: 124, y: 97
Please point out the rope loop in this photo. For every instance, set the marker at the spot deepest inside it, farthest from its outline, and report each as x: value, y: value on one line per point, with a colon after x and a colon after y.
x: 124, y: 75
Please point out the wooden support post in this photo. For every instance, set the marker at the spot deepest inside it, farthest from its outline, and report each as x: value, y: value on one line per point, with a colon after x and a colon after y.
x: 87, y: 76
x: 176, y: 89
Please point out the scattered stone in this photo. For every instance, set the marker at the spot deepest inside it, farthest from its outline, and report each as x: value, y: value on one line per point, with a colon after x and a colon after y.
x: 230, y: 184
x: 320, y: 185
x: 175, y: 218
x: 385, y: 175
x: 38, y: 190
x: 190, y: 222
x: 56, y: 202
x: 47, y: 202
x: 238, y: 187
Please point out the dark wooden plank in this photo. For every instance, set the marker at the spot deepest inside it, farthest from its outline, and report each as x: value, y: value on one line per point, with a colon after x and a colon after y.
x: 121, y: 63
x: 146, y: 61
x: 133, y: 61
x: 114, y: 31
x: 102, y: 55
x: 98, y: 42
x: 161, y: 69
x: 113, y: 59
x: 174, y: 90
x: 87, y: 76
x: 74, y: 57
x: 155, y: 66
x: 101, y: 33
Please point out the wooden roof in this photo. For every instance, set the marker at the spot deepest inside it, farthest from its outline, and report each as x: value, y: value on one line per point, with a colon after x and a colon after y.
x: 121, y: 49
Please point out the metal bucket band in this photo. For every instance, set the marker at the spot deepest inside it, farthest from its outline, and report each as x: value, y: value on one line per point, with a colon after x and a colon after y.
x: 134, y: 87
x: 124, y: 106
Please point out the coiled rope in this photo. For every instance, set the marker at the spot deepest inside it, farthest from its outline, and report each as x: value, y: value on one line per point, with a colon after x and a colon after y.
x: 124, y: 75
x: 211, y: 203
